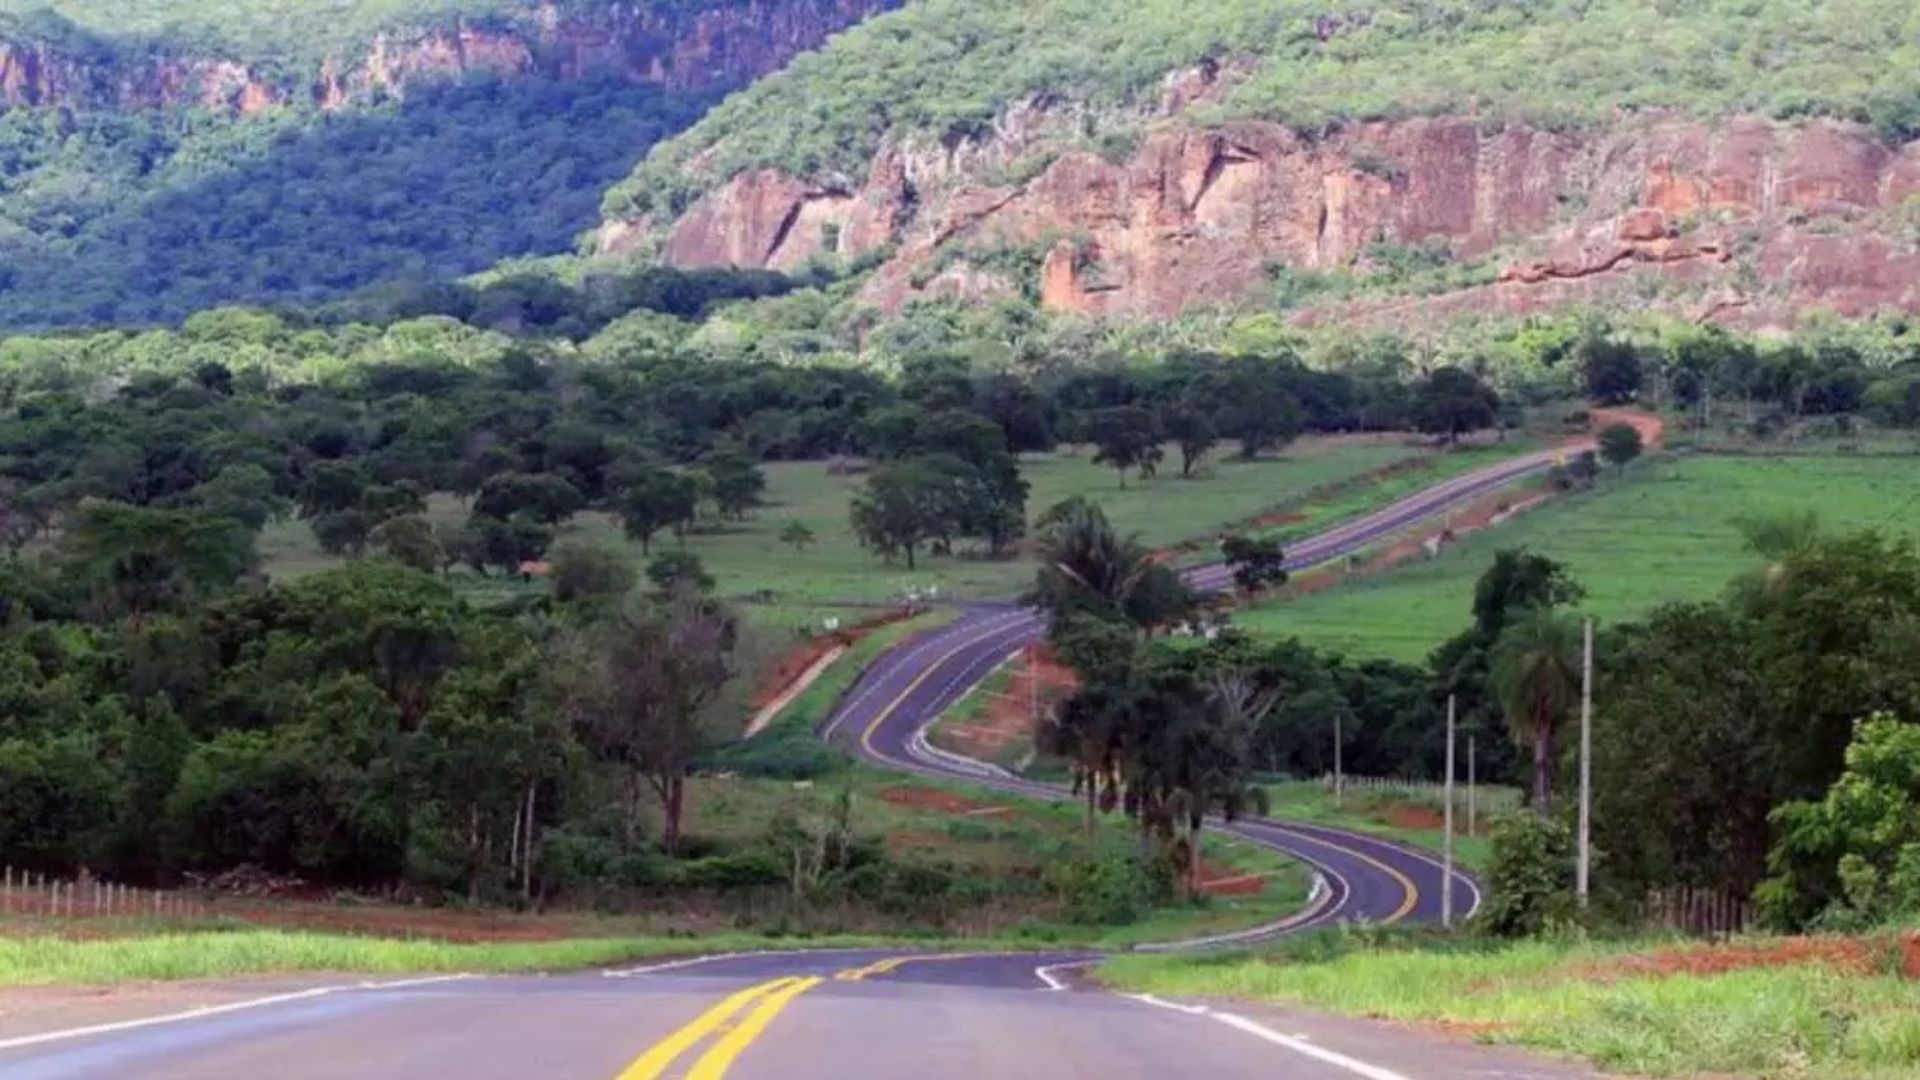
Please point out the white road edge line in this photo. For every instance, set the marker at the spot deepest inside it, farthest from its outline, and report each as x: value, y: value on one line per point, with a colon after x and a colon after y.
x: 1054, y: 982
x: 1267, y: 1034
x: 217, y: 1010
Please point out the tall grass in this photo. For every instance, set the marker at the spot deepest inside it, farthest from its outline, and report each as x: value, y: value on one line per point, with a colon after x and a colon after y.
x: 1807, y: 1020
x: 32, y: 961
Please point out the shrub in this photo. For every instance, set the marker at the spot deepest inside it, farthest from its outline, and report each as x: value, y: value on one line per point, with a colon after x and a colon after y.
x: 1529, y: 877
x: 1110, y: 891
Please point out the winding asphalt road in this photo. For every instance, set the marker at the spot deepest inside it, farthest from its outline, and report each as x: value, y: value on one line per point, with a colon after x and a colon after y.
x: 886, y: 715
x: 877, y: 1013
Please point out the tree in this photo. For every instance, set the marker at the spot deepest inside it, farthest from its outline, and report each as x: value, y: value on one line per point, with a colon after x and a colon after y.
x: 650, y: 499
x: 1193, y: 431
x: 1619, y: 444
x: 734, y: 482
x: 1088, y: 568
x: 241, y: 492
x: 645, y: 690
x: 676, y: 572
x: 1124, y: 438
x: 1611, y: 369
x: 1536, y: 676
x: 897, y: 510
x: 1257, y: 564
x: 332, y: 487
x: 137, y: 560
x: 541, y: 498
x: 410, y: 541
x: 797, y: 536
x: 1855, y: 854
x: 1452, y: 402
x: 343, y: 532
x: 583, y: 571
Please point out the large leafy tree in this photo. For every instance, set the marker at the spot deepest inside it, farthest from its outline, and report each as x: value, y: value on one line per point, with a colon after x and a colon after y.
x: 138, y: 560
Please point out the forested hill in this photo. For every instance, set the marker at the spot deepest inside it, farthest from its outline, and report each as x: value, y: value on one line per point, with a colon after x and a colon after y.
x: 158, y: 157
x: 1149, y: 157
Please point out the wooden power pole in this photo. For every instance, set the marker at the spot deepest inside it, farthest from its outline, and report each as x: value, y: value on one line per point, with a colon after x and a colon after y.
x: 1446, y: 873
x: 1584, y: 869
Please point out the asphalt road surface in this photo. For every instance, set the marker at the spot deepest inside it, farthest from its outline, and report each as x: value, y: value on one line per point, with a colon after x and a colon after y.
x: 761, y: 1017
x: 823, y: 1014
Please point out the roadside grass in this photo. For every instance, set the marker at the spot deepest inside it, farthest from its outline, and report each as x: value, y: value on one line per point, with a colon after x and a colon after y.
x: 788, y: 748
x: 1013, y: 754
x: 1385, y: 814
x: 1007, y: 843
x: 1801, y: 1020
x: 172, y: 954
x: 1665, y: 531
x: 778, y: 584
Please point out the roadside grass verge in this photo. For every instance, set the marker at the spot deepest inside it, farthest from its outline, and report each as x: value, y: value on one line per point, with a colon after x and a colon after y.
x: 1796, y: 1020
x: 174, y: 954
x: 1665, y: 531
x: 1407, y: 817
x: 788, y: 748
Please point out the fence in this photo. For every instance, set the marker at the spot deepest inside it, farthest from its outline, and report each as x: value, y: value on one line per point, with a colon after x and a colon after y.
x: 1706, y: 912
x: 1487, y: 798
x: 24, y: 893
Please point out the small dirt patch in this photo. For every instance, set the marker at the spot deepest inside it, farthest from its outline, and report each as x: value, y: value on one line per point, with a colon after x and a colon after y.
x: 942, y: 802
x: 1277, y: 519
x: 1216, y: 880
x: 1405, y: 815
x: 1852, y: 956
x: 1039, y: 680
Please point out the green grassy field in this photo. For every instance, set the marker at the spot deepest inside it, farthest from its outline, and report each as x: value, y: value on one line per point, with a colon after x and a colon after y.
x: 1609, y: 1003
x: 1666, y: 531
x: 1394, y: 815
x: 785, y: 586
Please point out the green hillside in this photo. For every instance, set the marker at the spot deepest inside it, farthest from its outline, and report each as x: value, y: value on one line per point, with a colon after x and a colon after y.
x: 140, y: 213
x: 277, y: 33
x: 948, y: 67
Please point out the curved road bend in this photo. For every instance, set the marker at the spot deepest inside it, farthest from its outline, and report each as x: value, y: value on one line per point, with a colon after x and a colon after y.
x: 886, y: 715
x: 838, y: 1014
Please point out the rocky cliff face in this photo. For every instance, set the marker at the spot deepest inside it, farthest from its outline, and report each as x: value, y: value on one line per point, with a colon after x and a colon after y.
x: 686, y: 47
x: 1742, y: 221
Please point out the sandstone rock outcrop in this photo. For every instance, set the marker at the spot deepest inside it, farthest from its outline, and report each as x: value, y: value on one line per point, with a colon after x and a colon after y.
x: 681, y: 46
x: 1745, y: 220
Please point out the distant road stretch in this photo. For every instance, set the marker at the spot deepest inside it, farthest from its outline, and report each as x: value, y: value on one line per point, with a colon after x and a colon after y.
x: 885, y: 717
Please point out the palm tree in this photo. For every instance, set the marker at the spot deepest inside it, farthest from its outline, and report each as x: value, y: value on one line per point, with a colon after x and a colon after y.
x: 1086, y: 566
x: 1535, y: 669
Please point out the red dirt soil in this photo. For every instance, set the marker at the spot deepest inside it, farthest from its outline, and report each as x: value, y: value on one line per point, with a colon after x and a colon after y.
x: 1218, y: 880
x: 1851, y: 956
x: 1413, y: 816
x: 1007, y: 719
x: 942, y: 802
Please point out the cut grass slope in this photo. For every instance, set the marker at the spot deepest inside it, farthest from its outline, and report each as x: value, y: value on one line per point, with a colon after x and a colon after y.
x: 1805, y: 1018
x: 1666, y: 531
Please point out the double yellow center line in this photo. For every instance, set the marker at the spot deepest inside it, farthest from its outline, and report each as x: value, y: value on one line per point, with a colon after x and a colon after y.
x: 761, y: 1004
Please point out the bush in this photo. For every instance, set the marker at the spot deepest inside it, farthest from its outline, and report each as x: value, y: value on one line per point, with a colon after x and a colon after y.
x: 1529, y: 878
x: 1111, y: 891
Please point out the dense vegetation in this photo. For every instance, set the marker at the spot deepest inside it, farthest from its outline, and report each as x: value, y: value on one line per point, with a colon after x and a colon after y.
x: 946, y: 69
x: 140, y: 218
x: 284, y: 36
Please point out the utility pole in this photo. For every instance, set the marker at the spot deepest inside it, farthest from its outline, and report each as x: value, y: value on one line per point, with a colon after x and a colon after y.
x: 1446, y: 874
x: 1585, y: 867
x: 1473, y: 788
x: 1337, y: 780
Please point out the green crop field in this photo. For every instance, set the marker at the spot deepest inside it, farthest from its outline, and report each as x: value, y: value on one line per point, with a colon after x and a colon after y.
x: 1666, y: 531
x: 793, y: 586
